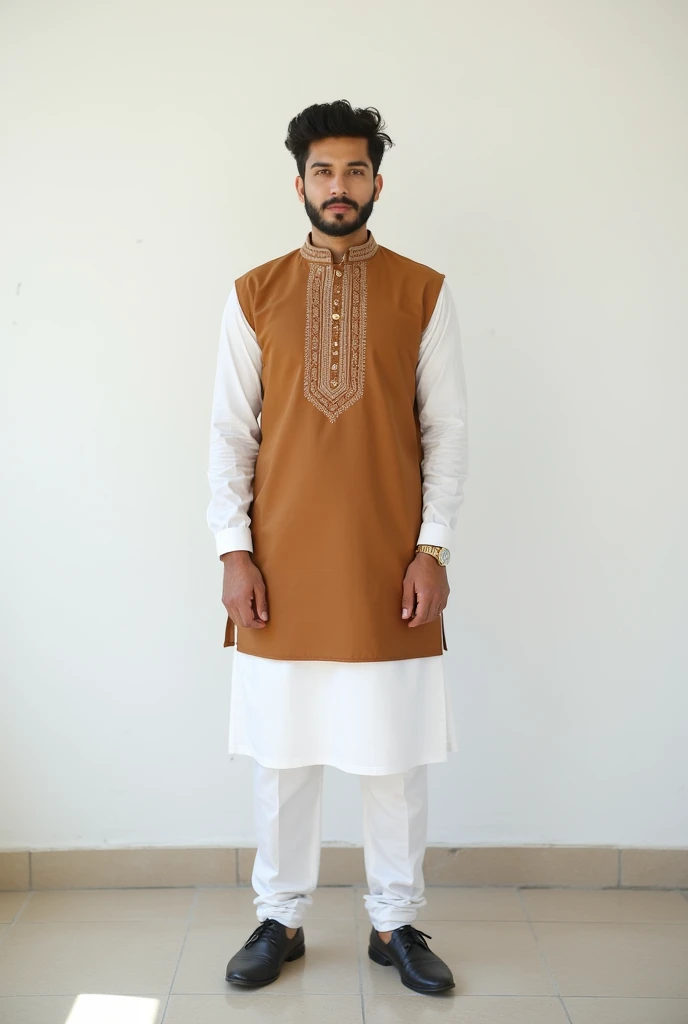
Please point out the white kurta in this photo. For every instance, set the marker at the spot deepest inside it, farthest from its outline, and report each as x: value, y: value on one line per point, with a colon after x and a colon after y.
x: 370, y: 718
x: 366, y: 717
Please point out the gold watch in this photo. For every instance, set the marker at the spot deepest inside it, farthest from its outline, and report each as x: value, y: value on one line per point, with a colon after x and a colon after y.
x: 441, y: 555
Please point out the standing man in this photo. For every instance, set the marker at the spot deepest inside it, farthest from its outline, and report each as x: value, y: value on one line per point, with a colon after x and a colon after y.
x: 334, y: 517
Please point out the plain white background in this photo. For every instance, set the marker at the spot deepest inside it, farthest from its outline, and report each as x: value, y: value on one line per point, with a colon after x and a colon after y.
x: 541, y: 161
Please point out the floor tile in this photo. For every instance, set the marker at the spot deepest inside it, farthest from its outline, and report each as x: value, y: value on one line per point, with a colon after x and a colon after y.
x: 486, y: 958
x: 464, y: 1009
x: 85, y: 1008
x: 109, y: 905
x: 612, y: 905
x: 627, y: 1011
x: 236, y: 904
x: 616, y: 959
x: 619, y: 957
x: 330, y: 963
x: 120, y: 958
x: 255, y: 1007
x: 453, y: 903
x: 12, y: 902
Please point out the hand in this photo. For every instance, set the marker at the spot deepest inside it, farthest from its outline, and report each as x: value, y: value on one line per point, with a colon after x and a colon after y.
x: 425, y: 582
x: 243, y: 590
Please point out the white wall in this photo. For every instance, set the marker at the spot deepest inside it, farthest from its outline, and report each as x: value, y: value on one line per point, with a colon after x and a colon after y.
x: 541, y: 163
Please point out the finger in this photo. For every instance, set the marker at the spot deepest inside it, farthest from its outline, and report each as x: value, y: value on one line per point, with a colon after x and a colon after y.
x: 254, y: 621
x: 261, y: 601
x: 433, y: 613
x: 407, y: 599
x: 244, y: 613
x: 235, y: 613
x: 422, y: 605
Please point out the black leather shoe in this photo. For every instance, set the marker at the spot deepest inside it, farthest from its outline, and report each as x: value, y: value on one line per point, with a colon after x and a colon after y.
x: 419, y: 968
x: 260, y: 959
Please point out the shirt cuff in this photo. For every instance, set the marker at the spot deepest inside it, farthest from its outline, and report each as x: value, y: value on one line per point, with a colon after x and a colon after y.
x: 236, y: 538
x: 436, y: 535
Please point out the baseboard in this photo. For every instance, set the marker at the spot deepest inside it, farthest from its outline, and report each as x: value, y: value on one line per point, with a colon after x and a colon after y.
x: 165, y: 867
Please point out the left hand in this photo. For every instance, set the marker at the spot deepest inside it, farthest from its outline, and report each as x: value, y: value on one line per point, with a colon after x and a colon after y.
x: 425, y: 590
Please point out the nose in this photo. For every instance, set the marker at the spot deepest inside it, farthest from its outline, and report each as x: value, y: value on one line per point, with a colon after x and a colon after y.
x: 338, y: 188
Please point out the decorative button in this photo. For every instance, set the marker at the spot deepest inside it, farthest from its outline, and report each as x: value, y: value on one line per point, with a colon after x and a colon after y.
x: 338, y: 273
x: 335, y: 316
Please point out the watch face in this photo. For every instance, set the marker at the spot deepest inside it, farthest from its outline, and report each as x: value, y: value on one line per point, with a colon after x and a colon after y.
x: 444, y: 556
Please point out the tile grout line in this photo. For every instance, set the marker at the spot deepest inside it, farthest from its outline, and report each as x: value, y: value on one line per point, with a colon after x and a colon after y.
x: 541, y: 954
x: 358, y: 954
x: 189, y: 919
x: 16, y: 917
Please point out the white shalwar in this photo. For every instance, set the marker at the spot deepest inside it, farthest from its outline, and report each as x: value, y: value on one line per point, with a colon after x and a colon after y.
x: 367, y: 718
x: 288, y: 814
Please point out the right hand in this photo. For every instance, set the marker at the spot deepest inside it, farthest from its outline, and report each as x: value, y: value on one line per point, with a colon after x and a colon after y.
x: 243, y: 590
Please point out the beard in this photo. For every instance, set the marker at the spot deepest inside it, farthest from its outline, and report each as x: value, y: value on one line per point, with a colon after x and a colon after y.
x: 339, y: 226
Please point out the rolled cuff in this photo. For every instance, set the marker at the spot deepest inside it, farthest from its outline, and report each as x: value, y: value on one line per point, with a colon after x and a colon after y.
x: 235, y: 538
x: 436, y: 534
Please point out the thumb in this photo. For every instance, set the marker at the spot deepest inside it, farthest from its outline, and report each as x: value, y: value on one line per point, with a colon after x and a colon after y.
x: 407, y: 599
x: 261, y: 601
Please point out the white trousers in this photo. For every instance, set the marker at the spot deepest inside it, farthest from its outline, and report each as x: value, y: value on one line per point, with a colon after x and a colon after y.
x: 288, y: 818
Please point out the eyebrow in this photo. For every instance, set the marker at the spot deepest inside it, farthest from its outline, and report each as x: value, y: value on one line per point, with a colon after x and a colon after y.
x: 351, y: 163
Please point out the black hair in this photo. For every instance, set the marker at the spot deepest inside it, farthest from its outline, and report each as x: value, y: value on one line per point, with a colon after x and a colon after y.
x: 323, y: 120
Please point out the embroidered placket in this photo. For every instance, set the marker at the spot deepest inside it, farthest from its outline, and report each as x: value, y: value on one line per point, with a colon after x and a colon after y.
x: 336, y: 315
x: 335, y: 337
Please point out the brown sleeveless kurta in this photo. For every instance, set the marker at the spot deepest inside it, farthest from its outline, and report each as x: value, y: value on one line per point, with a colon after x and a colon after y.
x: 337, y: 491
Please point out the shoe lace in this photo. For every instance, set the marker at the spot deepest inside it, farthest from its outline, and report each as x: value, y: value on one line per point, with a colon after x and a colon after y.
x: 268, y: 929
x: 411, y: 936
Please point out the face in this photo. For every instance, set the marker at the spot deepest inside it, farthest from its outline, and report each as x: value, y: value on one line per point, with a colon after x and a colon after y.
x: 338, y: 188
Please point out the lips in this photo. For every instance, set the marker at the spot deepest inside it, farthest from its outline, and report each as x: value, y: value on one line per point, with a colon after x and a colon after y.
x: 339, y: 207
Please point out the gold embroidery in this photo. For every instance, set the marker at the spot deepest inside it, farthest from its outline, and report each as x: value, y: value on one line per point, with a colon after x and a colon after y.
x: 354, y: 253
x: 334, y: 371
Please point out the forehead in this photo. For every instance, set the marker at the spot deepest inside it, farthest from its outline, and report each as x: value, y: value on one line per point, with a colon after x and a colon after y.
x: 339, y: 149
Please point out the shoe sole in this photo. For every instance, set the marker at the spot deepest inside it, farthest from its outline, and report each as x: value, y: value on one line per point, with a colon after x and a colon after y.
x: 295, y: 955
x: 384, y: 961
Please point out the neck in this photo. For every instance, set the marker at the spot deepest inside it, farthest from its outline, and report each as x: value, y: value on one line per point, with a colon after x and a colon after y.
x: 339, y: 244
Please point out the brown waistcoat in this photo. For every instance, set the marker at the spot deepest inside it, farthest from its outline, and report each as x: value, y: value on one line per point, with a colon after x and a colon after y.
x: 337, y: 491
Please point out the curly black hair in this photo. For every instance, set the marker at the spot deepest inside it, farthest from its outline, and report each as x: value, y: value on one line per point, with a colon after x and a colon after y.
x: 323, y: 120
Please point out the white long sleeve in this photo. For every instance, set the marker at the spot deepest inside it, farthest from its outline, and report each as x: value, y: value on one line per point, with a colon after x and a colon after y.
x: 443, y: 416
x: 235, y: 433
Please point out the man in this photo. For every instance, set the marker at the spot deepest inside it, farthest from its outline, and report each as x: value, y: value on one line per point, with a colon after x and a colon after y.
x: 334, y: 517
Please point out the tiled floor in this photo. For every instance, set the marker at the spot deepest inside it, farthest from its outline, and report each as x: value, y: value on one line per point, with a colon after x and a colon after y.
x: 522, y: 956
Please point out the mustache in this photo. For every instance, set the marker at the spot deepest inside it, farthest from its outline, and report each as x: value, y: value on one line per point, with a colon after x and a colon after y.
x: 340, y: 202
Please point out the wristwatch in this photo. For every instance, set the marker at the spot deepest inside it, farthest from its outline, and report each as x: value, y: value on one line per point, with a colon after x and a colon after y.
x: 440, y: 554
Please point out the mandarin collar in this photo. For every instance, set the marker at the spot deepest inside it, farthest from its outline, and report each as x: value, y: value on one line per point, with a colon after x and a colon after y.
x: 352, y: 255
